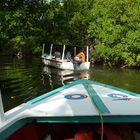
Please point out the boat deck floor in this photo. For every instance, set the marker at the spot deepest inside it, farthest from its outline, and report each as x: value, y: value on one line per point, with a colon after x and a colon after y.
x: 71, y: 131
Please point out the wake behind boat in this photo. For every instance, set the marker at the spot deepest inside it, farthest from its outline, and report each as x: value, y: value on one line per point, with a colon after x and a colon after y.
x: 64, y: 57
x: 81, y: 107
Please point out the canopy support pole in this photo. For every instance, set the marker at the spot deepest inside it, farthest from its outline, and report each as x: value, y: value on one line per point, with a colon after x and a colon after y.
x: 87, y: 53
x: 63, y: 52
x: 1, y: 109
x: 43, y: 48
x: 51, y: 50
x: 74, y: 51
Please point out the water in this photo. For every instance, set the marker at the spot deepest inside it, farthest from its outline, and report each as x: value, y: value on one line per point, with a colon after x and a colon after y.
x: 25, y: 79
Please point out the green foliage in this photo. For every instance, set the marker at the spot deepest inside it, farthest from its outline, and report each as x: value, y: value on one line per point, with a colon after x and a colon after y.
x: 112, y: 26
x: 138, y: 60
x: 115, y: 24
x: 18, y: 40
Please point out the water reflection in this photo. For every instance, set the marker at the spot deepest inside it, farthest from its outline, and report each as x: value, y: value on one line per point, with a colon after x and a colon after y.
x: 62, y: 76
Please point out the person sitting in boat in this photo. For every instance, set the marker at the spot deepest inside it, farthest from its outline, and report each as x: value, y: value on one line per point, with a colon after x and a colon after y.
x: 57, y: 54
x: 68, y: 55
x: 80, y: 57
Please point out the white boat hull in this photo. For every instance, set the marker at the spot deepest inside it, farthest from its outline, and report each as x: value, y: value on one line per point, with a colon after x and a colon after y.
x: 64, y: 64
x: 82, y: 101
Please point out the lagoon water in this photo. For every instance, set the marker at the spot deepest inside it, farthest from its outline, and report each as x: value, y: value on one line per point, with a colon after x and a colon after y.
x: 25, y: 79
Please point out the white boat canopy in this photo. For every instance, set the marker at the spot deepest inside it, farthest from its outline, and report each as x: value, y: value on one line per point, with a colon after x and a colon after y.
x: 56, y: 56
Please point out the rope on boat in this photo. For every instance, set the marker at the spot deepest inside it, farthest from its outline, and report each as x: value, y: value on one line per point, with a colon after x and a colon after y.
x: 90, y: 91
x: 102, y: 125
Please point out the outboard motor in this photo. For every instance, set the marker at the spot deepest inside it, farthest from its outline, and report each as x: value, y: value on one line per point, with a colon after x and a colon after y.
x: 77, y: 61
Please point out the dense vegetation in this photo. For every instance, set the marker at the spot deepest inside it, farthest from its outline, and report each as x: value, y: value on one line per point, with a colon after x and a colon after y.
x: 111, y: 27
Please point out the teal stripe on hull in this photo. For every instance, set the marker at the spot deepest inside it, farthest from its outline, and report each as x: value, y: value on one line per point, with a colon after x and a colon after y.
x: 96, y: 99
